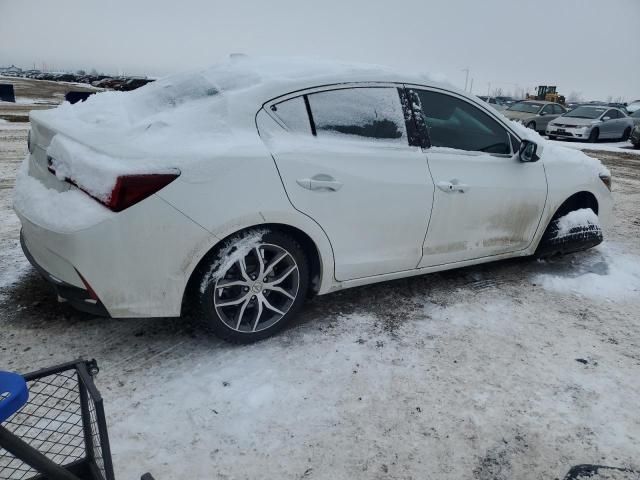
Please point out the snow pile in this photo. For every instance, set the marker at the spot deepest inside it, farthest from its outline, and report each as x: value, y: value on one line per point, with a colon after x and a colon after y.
x: 604, y: 272
x: 577, y: 218
x: 234, y: 250
x: 181, y: 119
x: 95, y: 172
x: 66, y: 211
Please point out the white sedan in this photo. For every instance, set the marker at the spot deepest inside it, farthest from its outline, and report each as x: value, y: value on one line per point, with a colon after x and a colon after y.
x: 591, y: 123
x: 243, y: 189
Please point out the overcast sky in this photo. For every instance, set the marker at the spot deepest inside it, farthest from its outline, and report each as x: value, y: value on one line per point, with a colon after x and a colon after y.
x: 586, y: 46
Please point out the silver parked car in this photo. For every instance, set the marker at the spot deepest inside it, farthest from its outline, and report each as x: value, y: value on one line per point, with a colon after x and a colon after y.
x: 591, y: 122
x: 635, y: 116
x: 534, y: 114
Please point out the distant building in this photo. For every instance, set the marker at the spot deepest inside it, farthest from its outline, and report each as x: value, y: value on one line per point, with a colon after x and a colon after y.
x: 12, y: 70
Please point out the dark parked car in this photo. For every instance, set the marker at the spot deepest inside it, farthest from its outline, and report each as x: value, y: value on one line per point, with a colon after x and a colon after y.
x: 635, y: 136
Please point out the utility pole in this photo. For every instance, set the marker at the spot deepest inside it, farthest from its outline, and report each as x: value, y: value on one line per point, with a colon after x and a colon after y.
x: 466, y: 79
x: 489, y: 89
x: 471, y: 86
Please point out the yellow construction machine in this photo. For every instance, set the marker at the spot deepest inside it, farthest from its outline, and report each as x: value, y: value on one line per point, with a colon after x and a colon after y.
x: 547, y: 93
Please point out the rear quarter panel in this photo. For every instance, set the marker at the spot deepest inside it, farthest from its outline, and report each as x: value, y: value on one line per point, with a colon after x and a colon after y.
x: 228, y: 194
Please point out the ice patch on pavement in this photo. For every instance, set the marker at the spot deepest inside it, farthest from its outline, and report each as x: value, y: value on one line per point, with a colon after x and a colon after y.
x: 604, y: 272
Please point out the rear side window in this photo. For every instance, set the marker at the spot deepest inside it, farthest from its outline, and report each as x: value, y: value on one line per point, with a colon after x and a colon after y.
x: 359, y: 113
x: 557, y: 109
x: 548, y: 110
x: 454, y: 123
x: 292, y: 114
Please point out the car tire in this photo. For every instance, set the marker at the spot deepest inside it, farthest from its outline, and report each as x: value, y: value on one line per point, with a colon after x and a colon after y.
x: 577, y: 239
x: 531, y: 125
x: 593, y: 135
x: 626, y: 134
x: 271, y: 291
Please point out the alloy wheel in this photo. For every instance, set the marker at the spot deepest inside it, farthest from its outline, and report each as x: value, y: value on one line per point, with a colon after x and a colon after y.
x: 256, y: 291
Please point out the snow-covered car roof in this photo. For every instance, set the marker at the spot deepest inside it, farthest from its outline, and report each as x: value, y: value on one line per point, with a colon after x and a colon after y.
x: 202, y: 104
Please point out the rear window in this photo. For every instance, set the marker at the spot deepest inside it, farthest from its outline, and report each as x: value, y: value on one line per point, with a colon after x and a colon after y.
x: 359, y: 113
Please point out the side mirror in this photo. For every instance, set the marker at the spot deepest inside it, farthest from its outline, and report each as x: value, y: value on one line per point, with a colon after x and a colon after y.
x: 527, y: 152
x: 604, y: 119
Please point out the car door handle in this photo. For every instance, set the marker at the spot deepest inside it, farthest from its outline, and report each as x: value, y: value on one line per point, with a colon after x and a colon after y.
x: 453, y: 187
x: 320, y: 182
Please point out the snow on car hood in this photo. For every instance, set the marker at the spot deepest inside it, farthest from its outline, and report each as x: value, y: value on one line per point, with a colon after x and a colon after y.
x: 553, y: 153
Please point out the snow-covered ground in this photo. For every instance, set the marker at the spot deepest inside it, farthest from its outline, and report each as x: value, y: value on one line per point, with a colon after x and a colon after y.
x: 518, y: 369
x: 603, y: 146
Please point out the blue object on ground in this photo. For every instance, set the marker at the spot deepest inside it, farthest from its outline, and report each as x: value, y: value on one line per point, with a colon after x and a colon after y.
x: 14, y: 393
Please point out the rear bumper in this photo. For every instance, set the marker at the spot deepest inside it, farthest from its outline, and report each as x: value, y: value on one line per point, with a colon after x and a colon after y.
x: 77, y: 297
x: 137, y: 262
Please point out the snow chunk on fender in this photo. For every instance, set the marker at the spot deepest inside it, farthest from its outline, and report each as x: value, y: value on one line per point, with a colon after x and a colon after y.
x: 234, y: 250
x: 95, y: 172
x: 51, y: 209
x: 583, y: 217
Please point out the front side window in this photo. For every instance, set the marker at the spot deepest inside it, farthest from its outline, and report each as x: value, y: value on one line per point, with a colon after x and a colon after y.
x: 558, y: 109
x: 359, y: 113
x: 547, y: 110
x: 454, y: 123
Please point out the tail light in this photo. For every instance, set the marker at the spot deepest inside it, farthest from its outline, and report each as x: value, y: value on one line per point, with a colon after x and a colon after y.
x: 128, y: 189
x: 131, y: 189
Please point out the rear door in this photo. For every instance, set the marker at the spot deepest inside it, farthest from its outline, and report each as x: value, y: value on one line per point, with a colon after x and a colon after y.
x: 608, y: 128
x: 546, y: 115
x: 486, y: 202
x: 345, y: 160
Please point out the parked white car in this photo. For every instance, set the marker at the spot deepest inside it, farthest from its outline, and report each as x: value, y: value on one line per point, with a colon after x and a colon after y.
x: 243, y: 189
x: 591, y: 123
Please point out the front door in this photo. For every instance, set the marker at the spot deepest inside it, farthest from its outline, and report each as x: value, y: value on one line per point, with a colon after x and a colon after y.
x: 486, y: 202
x: 345, y: 161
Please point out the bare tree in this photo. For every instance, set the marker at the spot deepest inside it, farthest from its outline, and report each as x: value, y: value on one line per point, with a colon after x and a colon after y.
x: 575, y: 97
x: 497, y: 92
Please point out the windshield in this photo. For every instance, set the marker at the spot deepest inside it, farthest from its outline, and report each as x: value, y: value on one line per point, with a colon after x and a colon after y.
x: 527, y: 107
x: 636, y: 114
x: 586, y: 112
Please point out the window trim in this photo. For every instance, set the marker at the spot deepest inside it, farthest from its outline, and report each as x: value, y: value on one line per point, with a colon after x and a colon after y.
x: 312, y: 122
x: 304, y: 93
x: 509, y: 131
x: 333, y: 86
x: 548, y: 105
